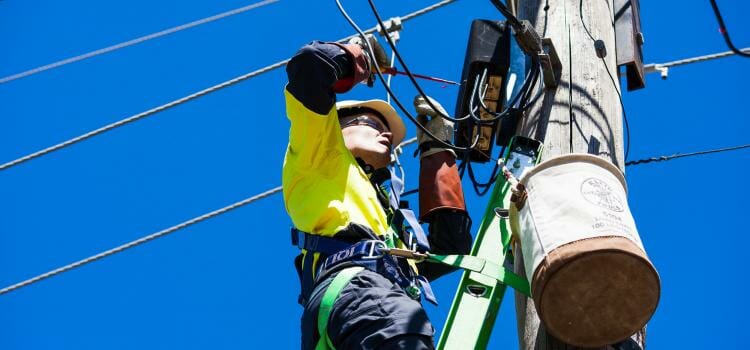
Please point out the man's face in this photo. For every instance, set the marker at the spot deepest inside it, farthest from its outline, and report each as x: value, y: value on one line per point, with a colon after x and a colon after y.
x: 367, y: 137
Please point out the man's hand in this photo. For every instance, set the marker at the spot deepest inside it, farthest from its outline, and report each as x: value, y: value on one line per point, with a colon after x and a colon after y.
x: 440, y: 127
x: 380, y: 57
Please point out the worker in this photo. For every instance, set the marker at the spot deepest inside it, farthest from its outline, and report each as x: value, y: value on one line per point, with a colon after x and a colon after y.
x: 335, y: 178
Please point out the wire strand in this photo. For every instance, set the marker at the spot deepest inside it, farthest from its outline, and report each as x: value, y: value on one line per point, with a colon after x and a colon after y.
x: 190, y: 97
x: 135, y: 41
x: 683, y: 155
x: 624, y: 114
x: 141, y: 115
x: 156, y: 235
x: 369, y: 51
x: 652, y: 67
x: 139, y: 241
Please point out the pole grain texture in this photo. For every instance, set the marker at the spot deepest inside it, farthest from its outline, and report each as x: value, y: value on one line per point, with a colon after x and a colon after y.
x: 582, y: 115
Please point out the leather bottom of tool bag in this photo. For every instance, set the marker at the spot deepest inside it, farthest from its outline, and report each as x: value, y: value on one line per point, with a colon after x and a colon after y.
x: 595, y: 291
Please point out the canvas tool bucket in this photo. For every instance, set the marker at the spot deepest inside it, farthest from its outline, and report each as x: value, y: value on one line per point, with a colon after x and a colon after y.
x: 591, y: 280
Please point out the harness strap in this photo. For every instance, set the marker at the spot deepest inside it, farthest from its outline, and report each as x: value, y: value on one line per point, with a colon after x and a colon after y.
x: 317, y: 243
x: 404, y: 221
x: 411, y: 232
x: 373, y: 255
x: 326, y: 304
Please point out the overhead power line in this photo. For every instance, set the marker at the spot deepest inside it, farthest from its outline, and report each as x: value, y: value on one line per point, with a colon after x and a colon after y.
x: 141, y: 115
x: 139, y: 241
x: 190, y: 97
x: 682, y: 155
x: 153, y: 236
x: 663, y: 67
x: 135, y: 41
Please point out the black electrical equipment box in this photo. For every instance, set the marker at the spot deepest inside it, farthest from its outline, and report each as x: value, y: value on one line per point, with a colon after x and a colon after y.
x: 488, y: 49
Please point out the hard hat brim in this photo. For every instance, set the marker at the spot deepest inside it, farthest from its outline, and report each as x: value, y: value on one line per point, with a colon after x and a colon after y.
x: 395, y: 124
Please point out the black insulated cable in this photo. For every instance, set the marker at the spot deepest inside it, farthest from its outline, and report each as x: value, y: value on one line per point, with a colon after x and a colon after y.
x: 612, y: 78
x: 419, y: 89
x: 395, y: 99
x: 506, y: 12
x: 725, y: 32
x: 683, y: 155
x: 404, y: 66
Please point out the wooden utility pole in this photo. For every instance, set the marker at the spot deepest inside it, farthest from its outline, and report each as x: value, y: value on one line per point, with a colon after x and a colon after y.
x: 582, y: 115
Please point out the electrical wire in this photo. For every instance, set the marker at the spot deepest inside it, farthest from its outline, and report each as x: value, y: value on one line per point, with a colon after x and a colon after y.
x: 401, y: 61
x: 410, y: 192
x: 419, y: 89
x: 482, y: 188
x: 396, y: 151
x: 653, y: 67
x: 506, y: 12
x: 371, y: 53
x: 525, y: 91
x: 190, y: 97
x: 139, y: 241
x: 624, y: 114
x: 580, y: 14
x: 153, y: 236
x: 683, y: 155
x: 390, y: 77
x: 135, y: 41
x: 614, y: 83
x: 141, y: 115
x: 523, y: 94
x: 725, y: 32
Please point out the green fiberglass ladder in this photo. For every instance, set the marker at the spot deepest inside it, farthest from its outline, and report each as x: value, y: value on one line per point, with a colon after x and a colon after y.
x: 477, y: 301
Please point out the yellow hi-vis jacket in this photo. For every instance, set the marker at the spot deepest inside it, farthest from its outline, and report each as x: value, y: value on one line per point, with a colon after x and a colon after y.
x: 327, y: 193
x: 325, y: 189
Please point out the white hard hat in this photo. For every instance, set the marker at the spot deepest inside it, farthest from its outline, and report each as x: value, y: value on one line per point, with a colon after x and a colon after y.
x: 395, y: 124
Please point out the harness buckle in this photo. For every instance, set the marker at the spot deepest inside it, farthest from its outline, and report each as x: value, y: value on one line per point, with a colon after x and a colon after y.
x: 372, y: 253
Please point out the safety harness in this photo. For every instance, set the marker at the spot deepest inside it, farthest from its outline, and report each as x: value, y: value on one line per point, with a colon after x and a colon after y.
x: 381, y: 255
x: 370, y: 253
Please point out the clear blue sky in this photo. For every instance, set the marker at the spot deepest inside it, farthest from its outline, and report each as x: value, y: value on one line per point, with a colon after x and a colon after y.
x: 228, y: 283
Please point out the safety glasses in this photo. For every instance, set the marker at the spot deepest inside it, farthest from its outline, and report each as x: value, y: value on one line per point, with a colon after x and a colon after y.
x: 364, y: 120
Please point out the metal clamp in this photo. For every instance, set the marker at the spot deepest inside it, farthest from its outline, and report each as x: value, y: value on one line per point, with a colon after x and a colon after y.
x: 530, y: 42
x: 657, y: 68
x: 392, y: 28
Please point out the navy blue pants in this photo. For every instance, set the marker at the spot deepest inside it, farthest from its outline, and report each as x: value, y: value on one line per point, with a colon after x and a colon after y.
x: 370, y: 313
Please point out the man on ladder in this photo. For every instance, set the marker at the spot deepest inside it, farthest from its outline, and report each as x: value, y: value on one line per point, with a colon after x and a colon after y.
x: 356, y: 291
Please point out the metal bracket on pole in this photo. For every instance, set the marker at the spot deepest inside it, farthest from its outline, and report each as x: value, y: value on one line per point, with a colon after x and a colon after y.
x: 530, y: 42
x: 551, y: 65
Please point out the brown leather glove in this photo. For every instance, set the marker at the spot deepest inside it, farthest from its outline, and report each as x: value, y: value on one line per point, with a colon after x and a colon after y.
x: 439, y: 183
